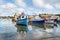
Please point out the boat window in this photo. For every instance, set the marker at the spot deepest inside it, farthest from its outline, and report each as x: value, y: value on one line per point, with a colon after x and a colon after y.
x: 22, y: 16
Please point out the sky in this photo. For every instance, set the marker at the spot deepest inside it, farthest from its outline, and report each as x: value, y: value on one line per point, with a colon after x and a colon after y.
x: 30, y: 7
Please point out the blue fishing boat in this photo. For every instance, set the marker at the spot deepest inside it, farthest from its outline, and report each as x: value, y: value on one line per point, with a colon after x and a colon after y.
x: 56, y: 20
x: 23, y: 21
x: 38, y: 23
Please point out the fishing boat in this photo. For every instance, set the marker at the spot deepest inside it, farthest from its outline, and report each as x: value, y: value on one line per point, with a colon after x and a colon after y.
x: 22, y: 21
x: 58, y: 19
x: 38, y: 21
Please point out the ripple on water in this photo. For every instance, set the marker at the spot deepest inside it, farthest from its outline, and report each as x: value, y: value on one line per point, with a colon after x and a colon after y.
x: 6, y: 26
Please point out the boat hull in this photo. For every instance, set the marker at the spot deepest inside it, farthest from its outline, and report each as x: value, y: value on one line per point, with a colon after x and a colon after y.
x: 56, y: 20
x: 22, y: 22
x: 38, y: 21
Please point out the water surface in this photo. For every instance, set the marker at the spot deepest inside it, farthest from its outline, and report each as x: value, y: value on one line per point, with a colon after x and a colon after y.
x: 8, y: 31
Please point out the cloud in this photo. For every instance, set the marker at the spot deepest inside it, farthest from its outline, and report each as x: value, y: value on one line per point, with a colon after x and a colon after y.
x: 8, y: 5
x: 8, y: 12
x: 38, y: 3
x: 41, y: 3
x: 10, y: 9
x: 20, y: 3
x: 52, y: 1
x: 57, y: 6
x: 1, y: 1
x: 32, y: 11
x: 20, y: 10
x: 48, y: 6
x: 55, y: 3
x: 7, y: 9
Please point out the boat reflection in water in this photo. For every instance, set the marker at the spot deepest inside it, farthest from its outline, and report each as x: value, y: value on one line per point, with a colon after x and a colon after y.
x: 21, y: 28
